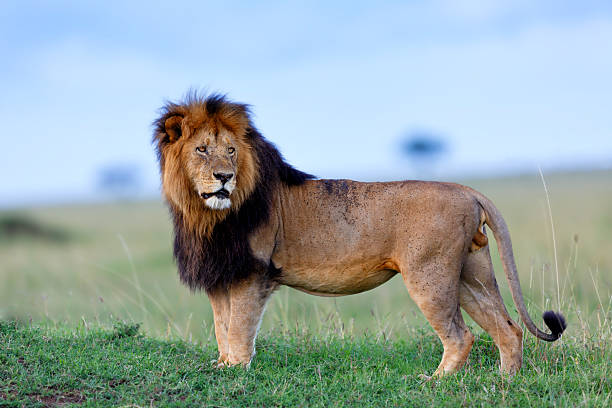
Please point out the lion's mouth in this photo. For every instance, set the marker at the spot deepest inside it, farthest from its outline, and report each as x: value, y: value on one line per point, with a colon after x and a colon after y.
x: 223, y: 193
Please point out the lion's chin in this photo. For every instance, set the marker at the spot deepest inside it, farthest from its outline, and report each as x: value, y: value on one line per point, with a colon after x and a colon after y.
x: 218, y: 203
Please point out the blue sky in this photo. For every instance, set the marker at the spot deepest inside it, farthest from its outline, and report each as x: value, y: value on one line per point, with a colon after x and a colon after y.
x: 510, y: 85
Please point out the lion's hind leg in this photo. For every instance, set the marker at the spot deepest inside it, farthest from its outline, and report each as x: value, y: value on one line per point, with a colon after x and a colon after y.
x: 479, y: 296
x: 433, y: 287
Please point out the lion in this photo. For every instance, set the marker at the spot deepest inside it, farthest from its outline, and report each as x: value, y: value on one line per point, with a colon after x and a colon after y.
x: 246, y: 222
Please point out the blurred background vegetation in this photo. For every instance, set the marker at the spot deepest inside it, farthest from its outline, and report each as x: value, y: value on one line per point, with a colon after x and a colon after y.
x: 102, y: 262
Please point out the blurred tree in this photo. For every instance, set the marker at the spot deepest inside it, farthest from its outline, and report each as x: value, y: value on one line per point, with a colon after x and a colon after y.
x: 424, y: 149
x: 119, y: 180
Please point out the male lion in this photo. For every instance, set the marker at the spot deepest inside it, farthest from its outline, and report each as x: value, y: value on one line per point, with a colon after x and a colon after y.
x: 246, y: 222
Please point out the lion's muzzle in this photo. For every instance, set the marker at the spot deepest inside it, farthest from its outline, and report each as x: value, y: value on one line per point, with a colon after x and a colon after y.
x: 218, y: 200
x: 222, y: 194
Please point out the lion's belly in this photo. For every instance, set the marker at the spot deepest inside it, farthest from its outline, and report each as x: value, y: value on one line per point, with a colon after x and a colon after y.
x: 340, y: 237
x: 338, y: 281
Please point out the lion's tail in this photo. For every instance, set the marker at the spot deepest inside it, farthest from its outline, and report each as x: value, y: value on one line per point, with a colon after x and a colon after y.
x: 555, y: 321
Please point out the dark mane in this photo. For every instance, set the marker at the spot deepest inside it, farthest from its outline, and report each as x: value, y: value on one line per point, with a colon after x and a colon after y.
x: 224, y: 257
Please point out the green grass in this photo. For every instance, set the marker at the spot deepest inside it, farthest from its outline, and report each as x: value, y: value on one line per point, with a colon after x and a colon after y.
x: 114, y: 263
x: 93, y: 366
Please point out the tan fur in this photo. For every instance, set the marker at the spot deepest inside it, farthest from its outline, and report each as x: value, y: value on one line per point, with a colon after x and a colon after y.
x: 340, y: 237
x: 345, y: 241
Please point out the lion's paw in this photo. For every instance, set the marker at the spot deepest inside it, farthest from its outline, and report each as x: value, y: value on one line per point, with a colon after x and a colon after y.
x: 221, y: 362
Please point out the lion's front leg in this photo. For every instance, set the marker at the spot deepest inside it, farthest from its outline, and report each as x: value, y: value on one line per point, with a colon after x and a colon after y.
x: 220, y: 302
x: 248, y: 300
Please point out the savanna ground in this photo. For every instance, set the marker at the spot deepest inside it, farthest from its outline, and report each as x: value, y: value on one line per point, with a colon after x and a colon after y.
x: 75, y: 281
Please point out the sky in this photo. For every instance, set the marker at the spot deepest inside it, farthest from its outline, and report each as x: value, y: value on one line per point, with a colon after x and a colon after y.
x: 509, y: 85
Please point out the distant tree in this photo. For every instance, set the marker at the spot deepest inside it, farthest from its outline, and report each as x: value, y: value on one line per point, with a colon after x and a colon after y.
x: 119, y: 180
x: 424, y: 149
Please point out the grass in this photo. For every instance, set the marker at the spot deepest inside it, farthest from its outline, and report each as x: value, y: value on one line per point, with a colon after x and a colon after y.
x: 93, y: 366
x: 114, y: 263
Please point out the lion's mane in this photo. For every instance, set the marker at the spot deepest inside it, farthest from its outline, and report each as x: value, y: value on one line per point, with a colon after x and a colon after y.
x: 211, y: 247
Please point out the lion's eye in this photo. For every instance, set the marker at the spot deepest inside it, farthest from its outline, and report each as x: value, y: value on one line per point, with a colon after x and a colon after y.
x: 231, y: 150
x: 201, y: 149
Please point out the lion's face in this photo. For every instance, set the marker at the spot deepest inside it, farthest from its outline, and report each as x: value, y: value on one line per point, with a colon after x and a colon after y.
x: 211, y: 162
x: 208, y: 165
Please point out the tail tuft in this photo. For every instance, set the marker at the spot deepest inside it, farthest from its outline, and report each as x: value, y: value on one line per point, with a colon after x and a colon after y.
x: 555, y: 322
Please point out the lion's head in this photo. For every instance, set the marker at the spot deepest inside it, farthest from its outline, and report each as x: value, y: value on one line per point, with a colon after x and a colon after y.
x: 219, y: 176
x: 206, y: 162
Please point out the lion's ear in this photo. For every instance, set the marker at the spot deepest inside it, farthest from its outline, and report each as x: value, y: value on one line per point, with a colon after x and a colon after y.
x: 173, y: 127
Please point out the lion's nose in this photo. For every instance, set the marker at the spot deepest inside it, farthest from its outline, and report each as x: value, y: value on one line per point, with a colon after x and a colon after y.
x: 224, y: 177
